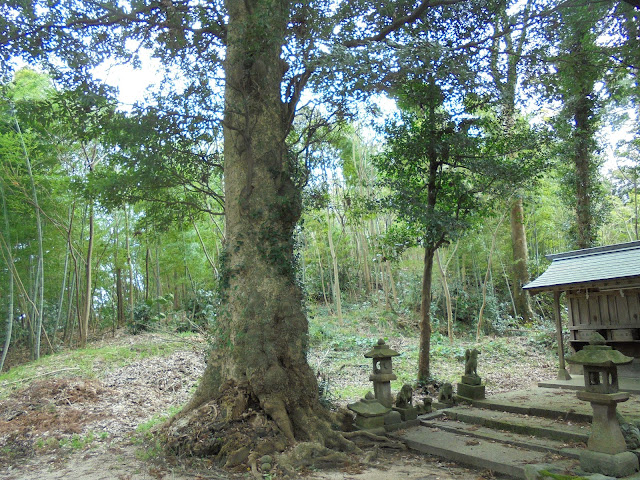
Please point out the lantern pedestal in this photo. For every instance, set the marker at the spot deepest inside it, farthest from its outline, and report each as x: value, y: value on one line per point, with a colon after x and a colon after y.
x: 606, y: 436
x: 382, y: 387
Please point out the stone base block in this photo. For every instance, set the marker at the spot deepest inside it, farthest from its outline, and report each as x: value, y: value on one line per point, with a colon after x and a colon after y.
x: 410, y: 413
x: 369, y: 423
x: 471, y: 392
x: 471, y: 379
x: 619, y: 465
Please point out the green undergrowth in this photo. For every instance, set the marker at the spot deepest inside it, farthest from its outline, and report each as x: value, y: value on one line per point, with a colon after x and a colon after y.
x: 92, y: 361
x: 73, y: 443
x: 340, y: 348
x: 149, y: 446
x: 145, y: 428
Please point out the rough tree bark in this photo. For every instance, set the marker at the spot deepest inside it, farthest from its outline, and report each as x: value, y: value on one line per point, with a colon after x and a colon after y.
x: 259, y: 361
x: 586, y: 234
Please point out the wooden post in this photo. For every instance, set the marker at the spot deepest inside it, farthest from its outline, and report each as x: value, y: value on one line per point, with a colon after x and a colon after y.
x: 562, y: 371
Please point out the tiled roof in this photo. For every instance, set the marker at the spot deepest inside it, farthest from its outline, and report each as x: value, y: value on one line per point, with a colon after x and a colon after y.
x: 598, y: 264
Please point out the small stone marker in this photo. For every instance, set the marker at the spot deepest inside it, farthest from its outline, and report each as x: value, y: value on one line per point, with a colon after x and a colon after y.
x: 606, y: 449
x: 470, y: 387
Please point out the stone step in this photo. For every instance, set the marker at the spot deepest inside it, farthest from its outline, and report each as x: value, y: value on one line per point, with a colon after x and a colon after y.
x: 481, y: 453
x: 545, y: 445
x: 577, y: 412
x: 529, y: 425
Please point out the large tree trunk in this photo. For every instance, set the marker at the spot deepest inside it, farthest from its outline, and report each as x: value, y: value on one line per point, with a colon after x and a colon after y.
x: 583, y: 135
x: 259, y: 360
x: 506, y: 81
x: 520, y: 256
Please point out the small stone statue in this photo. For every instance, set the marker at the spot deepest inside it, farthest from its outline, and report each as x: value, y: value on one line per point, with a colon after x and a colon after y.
x: 445, y: 395
x: 471, y: 362
x: 405, y: 397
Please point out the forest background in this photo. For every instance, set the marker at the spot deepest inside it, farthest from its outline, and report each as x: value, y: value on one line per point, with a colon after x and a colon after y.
x: 112, y: 215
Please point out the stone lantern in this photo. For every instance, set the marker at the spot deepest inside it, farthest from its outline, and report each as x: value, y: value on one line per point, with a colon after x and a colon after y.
x: 382, y: 372
x: 606, y: 449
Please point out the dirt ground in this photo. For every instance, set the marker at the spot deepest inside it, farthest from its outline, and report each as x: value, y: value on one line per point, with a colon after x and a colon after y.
x: 78, y: 428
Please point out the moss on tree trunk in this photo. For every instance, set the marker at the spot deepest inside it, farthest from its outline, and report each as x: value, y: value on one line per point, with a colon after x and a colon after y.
x: 258, y: 363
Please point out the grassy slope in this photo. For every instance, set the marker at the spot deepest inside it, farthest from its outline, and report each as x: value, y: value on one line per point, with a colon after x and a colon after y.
x: 91, y: 361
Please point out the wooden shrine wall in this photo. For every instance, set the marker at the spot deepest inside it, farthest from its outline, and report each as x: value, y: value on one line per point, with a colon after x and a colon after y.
x: 615, y: 314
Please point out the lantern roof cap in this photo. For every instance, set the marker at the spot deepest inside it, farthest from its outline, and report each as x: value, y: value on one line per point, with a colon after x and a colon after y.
x: 381, y: 350
x: 597, y: 354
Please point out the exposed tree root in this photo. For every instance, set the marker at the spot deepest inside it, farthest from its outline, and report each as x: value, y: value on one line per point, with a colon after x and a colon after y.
x: 366, y: 439
x: 228, y: 429
x: 238, y: 430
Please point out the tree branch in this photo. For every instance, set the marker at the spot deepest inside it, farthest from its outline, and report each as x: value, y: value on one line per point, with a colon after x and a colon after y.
x: 400, y: 22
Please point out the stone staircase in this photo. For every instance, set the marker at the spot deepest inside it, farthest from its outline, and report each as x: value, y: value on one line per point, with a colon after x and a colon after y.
x: 502, y: 439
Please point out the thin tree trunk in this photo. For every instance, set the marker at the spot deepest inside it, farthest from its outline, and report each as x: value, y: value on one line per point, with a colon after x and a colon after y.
x: 424, y: 371
x: 87, y: 297
x: 39, y: 293
x: 336, y: 279
x: 176, y: 291
x: 506, y: 280
x: 445, y: 287
x: 68, y: 326
x: 365, y: 261
x: 392, y: 283
x: 486, y: 278
x: 147, y: 259
x: 204, y: 248
x: 129, y: 264
x: 324, y: 291
x: 119, y: 298
x: 65, y: 274
x: 9, y: 259
x: 119, y: 322
x: 157, y: 271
